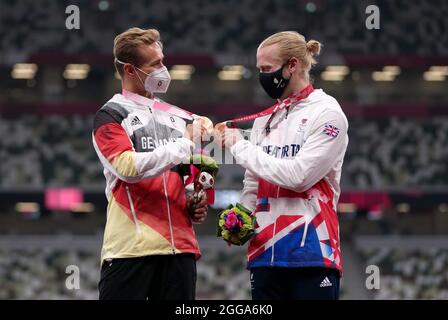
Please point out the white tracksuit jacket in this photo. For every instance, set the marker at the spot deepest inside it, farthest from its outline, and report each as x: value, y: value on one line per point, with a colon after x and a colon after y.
x: 292, y: 182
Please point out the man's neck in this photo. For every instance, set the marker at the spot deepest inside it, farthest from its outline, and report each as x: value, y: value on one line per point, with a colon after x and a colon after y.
x: 294, y: 88
x: 131, y: 87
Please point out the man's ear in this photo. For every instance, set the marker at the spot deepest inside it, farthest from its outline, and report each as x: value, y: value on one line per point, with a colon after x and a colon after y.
x: 293, y: 64
x: 129, y: 69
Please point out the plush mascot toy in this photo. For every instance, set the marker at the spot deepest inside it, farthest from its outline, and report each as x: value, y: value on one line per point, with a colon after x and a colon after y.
x: 200, y: 177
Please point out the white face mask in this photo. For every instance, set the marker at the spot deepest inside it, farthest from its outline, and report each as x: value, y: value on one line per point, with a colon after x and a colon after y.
x: 157, y: 81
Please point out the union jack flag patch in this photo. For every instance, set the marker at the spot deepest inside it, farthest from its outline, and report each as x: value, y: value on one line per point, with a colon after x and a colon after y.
x: 330, y: 130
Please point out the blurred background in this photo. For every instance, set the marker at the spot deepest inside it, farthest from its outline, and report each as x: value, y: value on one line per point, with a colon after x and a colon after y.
x: 392, y: 83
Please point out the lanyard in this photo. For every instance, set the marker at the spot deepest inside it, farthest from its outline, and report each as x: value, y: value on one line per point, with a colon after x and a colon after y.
x: 292, y: 100
x: 285, y: 103
x: 159, y: 105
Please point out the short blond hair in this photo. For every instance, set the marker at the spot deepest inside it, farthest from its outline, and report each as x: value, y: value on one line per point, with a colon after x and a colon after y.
x: 293, y: 44
x: 127, y: 44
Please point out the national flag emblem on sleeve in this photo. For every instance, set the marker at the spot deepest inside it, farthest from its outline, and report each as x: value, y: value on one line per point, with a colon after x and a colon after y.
x: 330, y: 130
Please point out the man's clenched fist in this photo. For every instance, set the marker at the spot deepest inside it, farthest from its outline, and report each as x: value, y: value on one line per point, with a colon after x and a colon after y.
x: 200, y: 130
x: 226, y: 137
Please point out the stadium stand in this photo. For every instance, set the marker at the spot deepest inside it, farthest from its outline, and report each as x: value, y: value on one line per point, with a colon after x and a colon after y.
x: 187, y: 29
x: 41, y: 273
x: 415, y: 274
x: 410, y: 267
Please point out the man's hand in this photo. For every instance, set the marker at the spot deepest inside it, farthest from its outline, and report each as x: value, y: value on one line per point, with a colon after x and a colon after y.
x: 205, y: 124
x: 217, y: 133
x: 226, y: 137
x: 199, y: 130
x: 198, y: 212
x: 192, y: 133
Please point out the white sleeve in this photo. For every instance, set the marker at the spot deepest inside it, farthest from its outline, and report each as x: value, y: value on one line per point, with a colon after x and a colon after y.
x: 250, y: 185
x: 116, y: 153
x: 249, y: 194
x: 316, y: 157
x: 164, y: 157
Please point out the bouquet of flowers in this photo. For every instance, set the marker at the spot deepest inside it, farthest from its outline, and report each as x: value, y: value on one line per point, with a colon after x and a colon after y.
x: 236, y: 224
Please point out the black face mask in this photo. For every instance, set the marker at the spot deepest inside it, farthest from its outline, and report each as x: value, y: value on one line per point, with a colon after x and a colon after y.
x: 273, y: 83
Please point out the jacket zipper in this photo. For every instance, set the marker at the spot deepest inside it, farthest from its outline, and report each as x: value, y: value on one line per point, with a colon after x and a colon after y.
x: 278, y: 194
x: 273, y: 243
x: 173, y: 248
x: 134, y: 215
x: 273, y: 232
x: 305, y: 230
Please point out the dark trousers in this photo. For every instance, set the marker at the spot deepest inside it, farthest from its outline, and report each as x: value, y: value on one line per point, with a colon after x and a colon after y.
x: 275, y: 283
x: 162, y: 277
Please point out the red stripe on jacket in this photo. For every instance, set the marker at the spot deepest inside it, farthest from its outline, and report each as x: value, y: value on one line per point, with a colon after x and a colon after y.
x: 112, y: 132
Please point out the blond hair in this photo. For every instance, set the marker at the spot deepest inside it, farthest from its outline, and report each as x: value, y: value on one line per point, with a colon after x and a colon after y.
x: 127, y: 45
x: 293, y: 44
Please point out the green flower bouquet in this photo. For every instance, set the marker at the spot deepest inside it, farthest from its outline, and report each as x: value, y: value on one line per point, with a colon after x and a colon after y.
x: 235, y: 224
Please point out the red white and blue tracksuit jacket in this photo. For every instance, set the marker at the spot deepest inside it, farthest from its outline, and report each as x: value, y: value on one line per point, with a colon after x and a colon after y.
x: 291, y: 182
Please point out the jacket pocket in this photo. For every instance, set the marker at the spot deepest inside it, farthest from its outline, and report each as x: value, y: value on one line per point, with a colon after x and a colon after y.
x: 131, y: 206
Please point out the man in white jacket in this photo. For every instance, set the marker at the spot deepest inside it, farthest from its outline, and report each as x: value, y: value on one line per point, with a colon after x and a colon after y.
x: 293, y: 167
